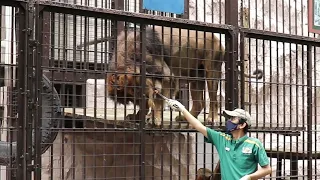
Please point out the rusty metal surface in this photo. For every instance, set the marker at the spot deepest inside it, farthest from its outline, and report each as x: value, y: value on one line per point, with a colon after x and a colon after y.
x: 52, y: 6
x: 232, y: 55
x: 68, y: 73
x: 13, y: 2
x: 22, y: 166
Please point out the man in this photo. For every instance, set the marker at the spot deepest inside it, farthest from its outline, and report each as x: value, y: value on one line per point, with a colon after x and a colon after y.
x: 239, y: 154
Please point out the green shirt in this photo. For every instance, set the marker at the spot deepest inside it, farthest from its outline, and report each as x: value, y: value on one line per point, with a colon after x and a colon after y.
x: 237, y: 157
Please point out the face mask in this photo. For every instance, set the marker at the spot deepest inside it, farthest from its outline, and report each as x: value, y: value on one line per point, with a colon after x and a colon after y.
x: 230, y: 126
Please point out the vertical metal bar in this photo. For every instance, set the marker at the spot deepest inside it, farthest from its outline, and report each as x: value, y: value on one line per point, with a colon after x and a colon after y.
x: 270, y: 97
x: 302, y: 17
x: 231, y: 12
x: 220, y: 13
x: 283, y: 18
x: 86, y: 68
x: 106, y: 27
x: 52, y: 42
x: 242, y: 58
x: 204, y: 10
x: 270, y: 29
x: 309, y: 110
x: 256, y: 17
x: 315, y: 103
x: 38, y: 93
x: 293, y: 173
x: 30, y: 91
x: 231, y: 82
x: 184, y: 92
x: 303, y: 100
x: 297, y: 97
x: 279, y: 163
x: 74, y: 65
x: 95, y: 61
x: 186, y: 9
x: 284, y: 95
x: 196, y: 9
x: 143, y: 100
x: 242, y: 84
x: 21, y: 106
x: 57, y: 46
x: 119, y: 5
x: 12, y: 92
x: 277, y: 17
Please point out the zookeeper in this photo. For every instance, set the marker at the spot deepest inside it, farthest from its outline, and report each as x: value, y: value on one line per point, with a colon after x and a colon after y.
x: 239, y: 154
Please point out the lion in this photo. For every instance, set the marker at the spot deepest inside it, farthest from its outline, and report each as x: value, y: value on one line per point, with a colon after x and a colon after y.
x: 171, y: 54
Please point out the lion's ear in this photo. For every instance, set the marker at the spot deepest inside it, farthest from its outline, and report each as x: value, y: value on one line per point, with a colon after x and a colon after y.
x: 125, y: 80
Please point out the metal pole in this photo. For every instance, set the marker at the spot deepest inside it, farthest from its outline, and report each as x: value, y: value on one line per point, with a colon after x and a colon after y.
x: 143, y: 101
x: 22, y: 59
x: 231, y: 13
x: 309, y: 111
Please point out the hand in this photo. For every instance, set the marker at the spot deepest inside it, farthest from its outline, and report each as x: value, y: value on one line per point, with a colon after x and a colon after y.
x: 174, y: 104
x: 246, y: 177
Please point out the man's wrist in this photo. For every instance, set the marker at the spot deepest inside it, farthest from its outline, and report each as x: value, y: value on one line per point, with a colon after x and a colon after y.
x: 246, y: 177
x: 182, y: 109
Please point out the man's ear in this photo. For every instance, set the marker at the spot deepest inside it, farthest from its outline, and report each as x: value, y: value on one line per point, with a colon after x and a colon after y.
x: 243, y: 125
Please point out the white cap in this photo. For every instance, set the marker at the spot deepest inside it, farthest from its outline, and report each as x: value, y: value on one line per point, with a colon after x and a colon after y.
x: 245, y: 115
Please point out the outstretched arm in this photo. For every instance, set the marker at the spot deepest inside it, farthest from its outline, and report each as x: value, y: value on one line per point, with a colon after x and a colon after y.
x: 195, y: 122
x: 189, y: 117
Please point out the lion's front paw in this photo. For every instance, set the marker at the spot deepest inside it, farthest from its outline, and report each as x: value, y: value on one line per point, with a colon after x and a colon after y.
x: 157, y: 121
x: 152, y: 120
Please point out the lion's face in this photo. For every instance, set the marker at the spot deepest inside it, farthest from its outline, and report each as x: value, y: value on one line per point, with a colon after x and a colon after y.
x: 120, y: 88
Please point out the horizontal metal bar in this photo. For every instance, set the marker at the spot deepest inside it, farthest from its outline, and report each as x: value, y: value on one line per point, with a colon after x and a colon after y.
x: 275, y: 36
x: 75, y: 77
x: 286, y: 131
x: 95, y: 130
x: 11, y: 2
x: 166, y: 131
x: 74, y: 9
x: 274, y: 153
x: 258, y: 130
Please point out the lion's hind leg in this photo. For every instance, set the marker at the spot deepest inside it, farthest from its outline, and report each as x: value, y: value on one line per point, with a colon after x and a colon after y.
x: 197, y: 88
x: 213, y: 82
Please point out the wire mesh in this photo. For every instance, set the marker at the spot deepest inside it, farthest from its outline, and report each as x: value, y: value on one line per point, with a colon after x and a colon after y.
x: 78, y: 77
